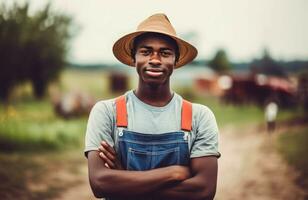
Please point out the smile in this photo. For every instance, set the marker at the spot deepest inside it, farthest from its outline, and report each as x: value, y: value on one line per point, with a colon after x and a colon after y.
x: 153, y: 73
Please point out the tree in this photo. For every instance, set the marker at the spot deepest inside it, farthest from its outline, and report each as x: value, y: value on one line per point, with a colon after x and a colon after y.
x: 220, y: 62
x: 32, y: 47
x: 268, y: 66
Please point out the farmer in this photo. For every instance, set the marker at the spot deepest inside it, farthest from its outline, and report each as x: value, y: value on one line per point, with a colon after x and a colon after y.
x: 150, y: 143
x: 271, y: 110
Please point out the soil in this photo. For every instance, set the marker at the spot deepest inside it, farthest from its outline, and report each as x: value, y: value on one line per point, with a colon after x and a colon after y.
x: 250, y: 168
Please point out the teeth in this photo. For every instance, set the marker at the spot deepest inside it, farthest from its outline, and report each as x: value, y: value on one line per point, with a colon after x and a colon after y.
x: 151, y: 73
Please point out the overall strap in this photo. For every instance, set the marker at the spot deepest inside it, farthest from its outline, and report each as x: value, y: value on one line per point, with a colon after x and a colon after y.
x: 121, y: 111
x: 186, y: 118
x: 186, y: 124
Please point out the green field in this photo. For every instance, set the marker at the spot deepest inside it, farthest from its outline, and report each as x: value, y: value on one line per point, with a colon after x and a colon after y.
x: 33, y: 126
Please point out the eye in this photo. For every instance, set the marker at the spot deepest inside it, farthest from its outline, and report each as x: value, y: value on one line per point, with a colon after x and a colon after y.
x: 144, y: 52
x: 166, y: 53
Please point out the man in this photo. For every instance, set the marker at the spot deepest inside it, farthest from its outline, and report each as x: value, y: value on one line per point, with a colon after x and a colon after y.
x: 271, y: 110
x: 150, y: 143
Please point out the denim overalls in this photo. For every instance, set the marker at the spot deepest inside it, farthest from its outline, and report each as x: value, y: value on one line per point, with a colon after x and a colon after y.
x: 139, y: 151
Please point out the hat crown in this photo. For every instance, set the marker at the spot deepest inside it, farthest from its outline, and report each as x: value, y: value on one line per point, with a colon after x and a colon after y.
x: 157, y: 23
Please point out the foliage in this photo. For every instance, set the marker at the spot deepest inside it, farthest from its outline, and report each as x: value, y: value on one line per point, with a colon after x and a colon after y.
x: 268, y: 66
x: 293, y: 146
x: 220, y: 62
x: 32, y: 47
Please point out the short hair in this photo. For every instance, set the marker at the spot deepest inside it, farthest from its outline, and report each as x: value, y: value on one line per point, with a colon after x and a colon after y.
x: 141, y: 37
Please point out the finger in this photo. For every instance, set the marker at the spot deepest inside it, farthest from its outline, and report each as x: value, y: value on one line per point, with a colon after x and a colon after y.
x: 106, y: 165
x: 104, y: 143
x: 108, y: 147
x: 106, y: 160
x: 106, y: 153
x: 100, y: 148
x: 111, y: 157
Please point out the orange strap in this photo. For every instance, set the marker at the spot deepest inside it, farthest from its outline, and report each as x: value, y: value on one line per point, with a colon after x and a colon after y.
x: 121, y: 111
x: 186, y: 116
x: 122, y: 114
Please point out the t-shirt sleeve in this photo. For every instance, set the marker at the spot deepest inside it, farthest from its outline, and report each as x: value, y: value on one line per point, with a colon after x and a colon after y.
x: 206, y: 140
x: 100, y: 126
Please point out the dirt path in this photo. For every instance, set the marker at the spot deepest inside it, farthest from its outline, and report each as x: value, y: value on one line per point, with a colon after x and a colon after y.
x: 81, y: 191
x: 249, y: 169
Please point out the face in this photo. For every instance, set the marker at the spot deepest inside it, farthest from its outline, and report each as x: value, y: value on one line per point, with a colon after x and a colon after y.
x: 154, y: 60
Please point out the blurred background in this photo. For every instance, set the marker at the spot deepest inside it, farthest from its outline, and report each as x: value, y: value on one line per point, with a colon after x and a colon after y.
x: 56, y: 61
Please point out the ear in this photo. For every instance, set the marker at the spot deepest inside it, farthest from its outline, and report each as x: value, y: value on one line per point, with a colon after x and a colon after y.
x: 133, y: 55
x: 175, y: 62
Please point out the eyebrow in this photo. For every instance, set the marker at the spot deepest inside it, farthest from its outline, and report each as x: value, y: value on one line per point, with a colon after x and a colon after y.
x: 149, y: 47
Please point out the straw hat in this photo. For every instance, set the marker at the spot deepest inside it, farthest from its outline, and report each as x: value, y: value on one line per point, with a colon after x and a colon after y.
x: 158, y: 23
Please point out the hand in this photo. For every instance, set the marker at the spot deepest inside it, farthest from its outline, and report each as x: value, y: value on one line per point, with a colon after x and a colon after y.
x: 109, y: 156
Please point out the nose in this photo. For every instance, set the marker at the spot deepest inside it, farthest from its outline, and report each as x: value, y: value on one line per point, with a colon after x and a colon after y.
x: 155, y: 59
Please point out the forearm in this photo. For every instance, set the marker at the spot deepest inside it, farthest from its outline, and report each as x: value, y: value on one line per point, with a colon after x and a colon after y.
x: 113, y: 182
x: 116, y: 183
x: 202, y: 184
x: 193, y: 189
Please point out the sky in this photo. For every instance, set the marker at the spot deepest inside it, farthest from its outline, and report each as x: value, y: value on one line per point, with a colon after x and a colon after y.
x: 242, y: 28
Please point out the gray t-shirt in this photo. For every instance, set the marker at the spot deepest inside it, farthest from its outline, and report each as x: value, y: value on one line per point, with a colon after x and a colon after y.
x: 147, y: 119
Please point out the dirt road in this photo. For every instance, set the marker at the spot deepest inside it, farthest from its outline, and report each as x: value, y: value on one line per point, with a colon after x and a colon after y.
x: 250, y: 169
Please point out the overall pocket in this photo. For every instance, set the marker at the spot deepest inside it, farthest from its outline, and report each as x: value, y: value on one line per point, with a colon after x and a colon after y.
x: 140, y: 160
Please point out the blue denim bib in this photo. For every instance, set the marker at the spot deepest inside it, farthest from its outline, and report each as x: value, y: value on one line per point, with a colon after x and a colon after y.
x: 139, y: 151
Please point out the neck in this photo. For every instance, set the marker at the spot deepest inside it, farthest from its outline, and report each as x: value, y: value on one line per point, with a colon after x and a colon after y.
x: 155, y: 95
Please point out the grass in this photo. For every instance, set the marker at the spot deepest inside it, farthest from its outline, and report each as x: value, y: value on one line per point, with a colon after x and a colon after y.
x: 226, y: 114
x: 93, y: 82
x: 32, y: 126
x: 293, y: 146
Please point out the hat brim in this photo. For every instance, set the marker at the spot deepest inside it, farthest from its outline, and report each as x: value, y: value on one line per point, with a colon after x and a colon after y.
x: 122, y: 49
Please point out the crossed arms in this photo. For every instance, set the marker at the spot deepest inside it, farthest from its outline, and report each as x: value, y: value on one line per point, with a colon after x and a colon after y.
x: 198, y: 181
